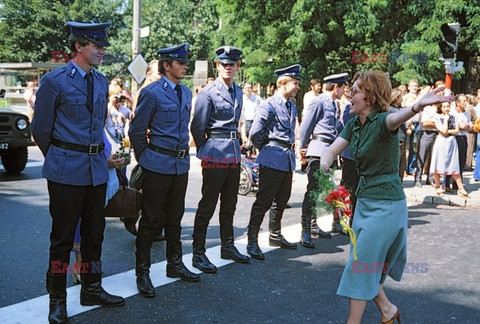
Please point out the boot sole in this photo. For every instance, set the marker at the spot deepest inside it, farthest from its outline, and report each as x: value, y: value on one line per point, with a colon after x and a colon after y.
x: 88, y: 303
x: 227, y: 257
x: 310, y: 246
x: 283, y: 246
x: 204, y: 270
x: 184, y: 278
x: 322, y: 236
x: 256, y: 257
x: 148, y: 295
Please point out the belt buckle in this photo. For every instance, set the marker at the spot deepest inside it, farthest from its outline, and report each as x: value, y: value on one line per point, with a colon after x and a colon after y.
x: 93, y: 149
x: 233, y: 135
x: 181, y: 154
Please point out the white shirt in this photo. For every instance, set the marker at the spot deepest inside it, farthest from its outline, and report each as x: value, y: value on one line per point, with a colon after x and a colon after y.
x: 249, y: 107
x: 307, y: 99
x: 428, y: 114
x: 460, y: 117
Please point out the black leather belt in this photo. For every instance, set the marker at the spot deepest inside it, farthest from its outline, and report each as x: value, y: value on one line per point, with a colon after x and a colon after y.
x: 231, y: 135
x: 282, y: 144
x: 321, y: 139
x: 91, y: 149
x: 179, y: 154
x: 429, y: 131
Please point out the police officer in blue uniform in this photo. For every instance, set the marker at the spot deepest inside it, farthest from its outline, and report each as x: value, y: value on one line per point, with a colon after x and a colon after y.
x: 273, y: 133
x: 159, y: 136
x: 215, y: 131
x: 70, y: 113
x: 317, y: 132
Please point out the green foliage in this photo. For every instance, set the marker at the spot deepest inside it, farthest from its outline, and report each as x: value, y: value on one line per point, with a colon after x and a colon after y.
x: 325, y: 185
x: 31, y: 30
x: 319, y: 34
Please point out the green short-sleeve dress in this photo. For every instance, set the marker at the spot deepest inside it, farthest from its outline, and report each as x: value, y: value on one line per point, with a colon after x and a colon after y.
x: 381, y: 214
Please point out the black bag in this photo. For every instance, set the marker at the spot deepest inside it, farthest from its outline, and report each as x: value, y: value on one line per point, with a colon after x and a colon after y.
x: 136, y: 177
x: 126, y: 203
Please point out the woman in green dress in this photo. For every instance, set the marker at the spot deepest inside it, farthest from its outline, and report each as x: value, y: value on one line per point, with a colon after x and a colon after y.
x: 381, y: 215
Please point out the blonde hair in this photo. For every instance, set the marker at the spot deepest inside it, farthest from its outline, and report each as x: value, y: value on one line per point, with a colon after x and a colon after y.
x: 283, y: 80
x: 376, y: 85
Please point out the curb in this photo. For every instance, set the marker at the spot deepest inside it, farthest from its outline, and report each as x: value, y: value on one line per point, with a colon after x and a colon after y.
x: 450, y: 200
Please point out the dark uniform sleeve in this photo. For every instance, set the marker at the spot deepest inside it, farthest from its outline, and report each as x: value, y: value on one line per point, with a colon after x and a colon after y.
x: 140, y: 123
x: 44, y: 118
x: 259, y: 130
x: 312, y: 115
x: 201, y: 116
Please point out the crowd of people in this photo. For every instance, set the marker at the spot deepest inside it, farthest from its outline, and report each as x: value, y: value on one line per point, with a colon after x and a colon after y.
x: 369, y: 125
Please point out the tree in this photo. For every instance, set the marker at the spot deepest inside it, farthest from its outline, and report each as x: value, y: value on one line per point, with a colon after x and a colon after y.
x: 32, y: 30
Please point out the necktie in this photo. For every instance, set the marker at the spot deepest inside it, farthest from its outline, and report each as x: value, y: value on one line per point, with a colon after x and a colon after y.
x: 179, y: 93
x: 288, y: 104
x: 89, y: 78
x: 232, y: 93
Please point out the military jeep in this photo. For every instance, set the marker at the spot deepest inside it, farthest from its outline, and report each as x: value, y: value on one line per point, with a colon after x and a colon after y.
x: 15, y: 138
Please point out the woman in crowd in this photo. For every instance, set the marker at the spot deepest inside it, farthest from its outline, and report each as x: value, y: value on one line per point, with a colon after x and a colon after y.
x: 118, y: 116
x: 381, y: 234
x: 445, y: 150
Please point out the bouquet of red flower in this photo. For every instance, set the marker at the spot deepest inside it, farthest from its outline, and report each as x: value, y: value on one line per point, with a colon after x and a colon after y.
x: 338, y: 201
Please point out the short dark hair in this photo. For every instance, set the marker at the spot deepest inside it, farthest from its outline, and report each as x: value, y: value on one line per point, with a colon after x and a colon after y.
x: 313, y: 82
x: 74, y: 39
x: 161, y: 69
x: 329, y: 86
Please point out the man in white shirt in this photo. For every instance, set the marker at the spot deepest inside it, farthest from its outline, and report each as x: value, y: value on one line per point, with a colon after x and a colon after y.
x: 315, y: 88
x: 250, y: 104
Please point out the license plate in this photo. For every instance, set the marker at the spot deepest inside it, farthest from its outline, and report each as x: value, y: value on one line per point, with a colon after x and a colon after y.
x: 3, y: 146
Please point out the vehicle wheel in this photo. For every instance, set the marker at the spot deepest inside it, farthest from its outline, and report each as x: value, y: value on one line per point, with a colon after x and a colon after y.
x: 245, y: 180
x: 15, y: 159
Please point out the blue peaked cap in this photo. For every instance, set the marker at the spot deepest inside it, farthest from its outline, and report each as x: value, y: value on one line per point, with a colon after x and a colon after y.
x: 291, y: 71
x: 336, y: 78
x: 95, y: 32
x: 228, y: 54
x: 177, y: 52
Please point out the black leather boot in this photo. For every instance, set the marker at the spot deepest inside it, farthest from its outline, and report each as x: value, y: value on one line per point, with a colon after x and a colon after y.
x: 336, y: 227
x: 231, y: 253
x: 199, y: 259
x: 176, y: 269
x: 142, y: 271
x: 306, y: 238
x: 276, y: 239
x: 228, y: 250
x: 252, y: 247
x: 316, y: 231
x: 57, y: 290
x: 92, y: 292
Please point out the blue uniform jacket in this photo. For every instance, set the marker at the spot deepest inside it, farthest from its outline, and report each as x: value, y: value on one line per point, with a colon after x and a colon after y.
x: 215, y: 111
x: 166, y: 119
x: 61, y: 112
x: 274, y: 121
x: 320, y: 119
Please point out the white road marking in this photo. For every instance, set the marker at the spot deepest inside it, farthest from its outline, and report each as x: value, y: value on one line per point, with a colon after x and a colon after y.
x: 36, y: 310
x: 29, y: 165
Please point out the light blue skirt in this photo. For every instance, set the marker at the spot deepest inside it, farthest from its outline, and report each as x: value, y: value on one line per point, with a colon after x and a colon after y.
x: 381, y: 228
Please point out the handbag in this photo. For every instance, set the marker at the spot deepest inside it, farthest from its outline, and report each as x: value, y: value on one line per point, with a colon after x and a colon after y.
x: 126, y: 203
x: 136, y: 177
